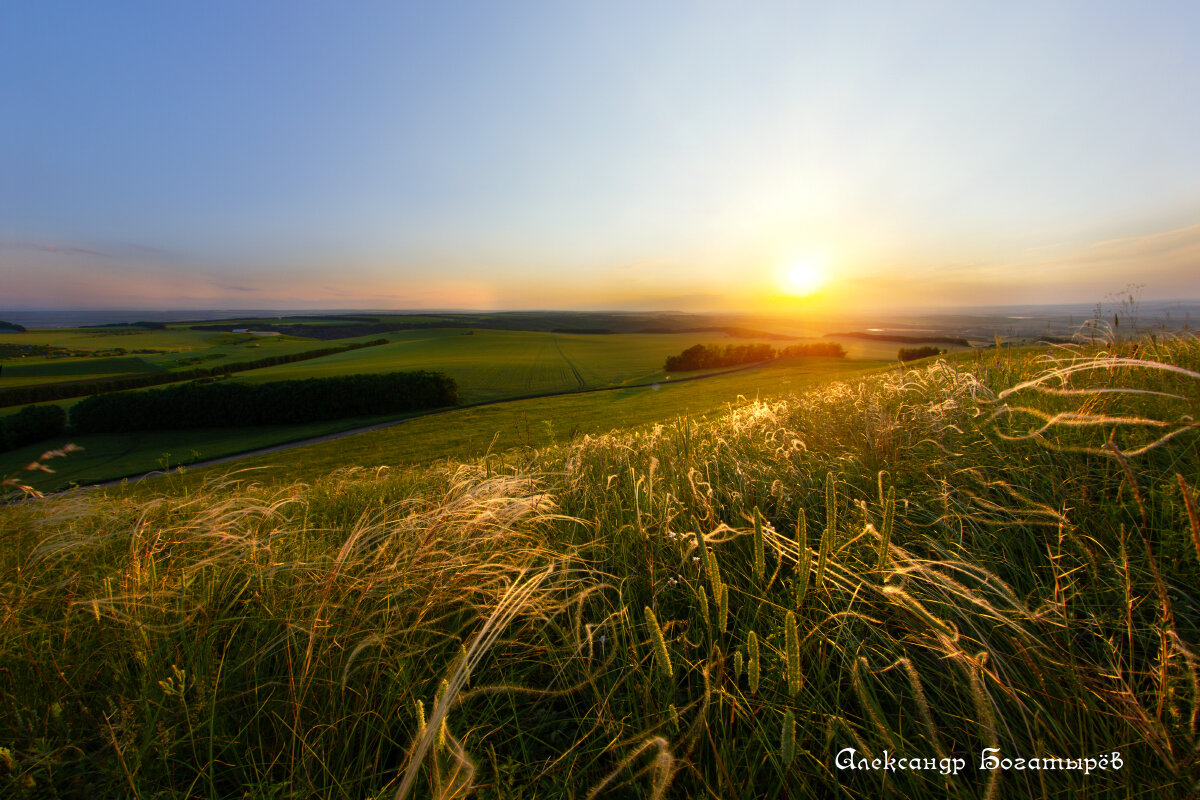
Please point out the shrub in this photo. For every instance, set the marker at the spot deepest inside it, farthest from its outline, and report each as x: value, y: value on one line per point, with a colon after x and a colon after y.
x: 913, y: 353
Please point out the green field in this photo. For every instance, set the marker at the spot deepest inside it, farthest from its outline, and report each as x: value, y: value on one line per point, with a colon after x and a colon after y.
x: 882, y: 351
x: 461, y: 433
x: 494, y: 364
x: 469, y: 433
x: 489, y: 364
x: 165, y: 351
x: 939, y: 562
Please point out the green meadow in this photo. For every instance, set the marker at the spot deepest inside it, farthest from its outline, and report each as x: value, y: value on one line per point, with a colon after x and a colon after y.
x: 755, y: 585
x: 497, y: 364
x: 489, y: 365
x: 151, y: 351
x: 533, y: 423
x: 466, y: 432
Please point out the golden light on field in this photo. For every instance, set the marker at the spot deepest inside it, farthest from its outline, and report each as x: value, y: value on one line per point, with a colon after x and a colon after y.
x: 804, y: 277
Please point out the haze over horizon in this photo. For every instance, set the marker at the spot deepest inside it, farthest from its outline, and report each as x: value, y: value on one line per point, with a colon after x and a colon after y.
x: 699, y: 157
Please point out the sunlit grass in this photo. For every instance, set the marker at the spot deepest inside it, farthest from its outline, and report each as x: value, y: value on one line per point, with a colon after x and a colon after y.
x: 707, y: 608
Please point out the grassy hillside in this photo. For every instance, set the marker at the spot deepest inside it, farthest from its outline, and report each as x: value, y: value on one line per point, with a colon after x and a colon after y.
x: 929, y: 564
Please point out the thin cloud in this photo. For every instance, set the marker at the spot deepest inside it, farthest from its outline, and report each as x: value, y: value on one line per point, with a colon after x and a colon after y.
x: 1170, y: 239
x: 126, y: 251
x: 46, y: 247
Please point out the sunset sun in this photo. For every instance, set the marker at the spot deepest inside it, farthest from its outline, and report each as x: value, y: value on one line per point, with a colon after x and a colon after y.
x: 804, y: 277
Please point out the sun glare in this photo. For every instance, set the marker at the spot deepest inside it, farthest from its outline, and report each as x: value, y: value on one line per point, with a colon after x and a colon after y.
x: 804, y: 277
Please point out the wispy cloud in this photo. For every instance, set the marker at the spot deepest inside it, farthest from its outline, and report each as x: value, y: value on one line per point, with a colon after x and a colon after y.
x: 46, y: 247
x: 124, y: 251
x: 1162, y: 239
x: 1170, y: 257
x: 1164, y: 262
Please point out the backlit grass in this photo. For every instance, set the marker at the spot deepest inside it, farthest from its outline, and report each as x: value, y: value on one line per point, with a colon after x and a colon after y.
x: 702, y: 608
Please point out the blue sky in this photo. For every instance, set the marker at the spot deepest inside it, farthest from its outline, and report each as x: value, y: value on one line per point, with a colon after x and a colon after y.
x: 595, y: 155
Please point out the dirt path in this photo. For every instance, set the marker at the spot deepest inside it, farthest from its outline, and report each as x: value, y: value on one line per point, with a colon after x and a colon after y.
x: 571, y: 364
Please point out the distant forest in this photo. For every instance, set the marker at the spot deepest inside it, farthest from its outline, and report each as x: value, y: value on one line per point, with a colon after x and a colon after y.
x: 731, y: 355
x: 896, y: 337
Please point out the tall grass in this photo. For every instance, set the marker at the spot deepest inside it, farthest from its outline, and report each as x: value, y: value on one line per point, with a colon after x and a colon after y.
x: 1003, y: 555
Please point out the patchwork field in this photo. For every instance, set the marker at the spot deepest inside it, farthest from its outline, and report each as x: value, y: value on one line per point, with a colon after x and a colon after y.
x: 464, y: 433
x: 91, y: 354
x: 490, y: 363
x: 496, y: 364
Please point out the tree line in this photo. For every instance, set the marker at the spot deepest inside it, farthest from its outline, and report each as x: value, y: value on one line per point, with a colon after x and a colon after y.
x: 229, y: 405
x: 701, y: 356
x: 31, y: 424
x: 913, y: 353
x: 19, y: 395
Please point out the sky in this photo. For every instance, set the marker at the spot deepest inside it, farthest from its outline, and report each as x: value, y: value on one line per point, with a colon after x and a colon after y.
x: 596, y: 155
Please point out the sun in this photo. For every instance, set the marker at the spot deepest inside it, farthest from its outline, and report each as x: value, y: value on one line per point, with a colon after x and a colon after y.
x: 804, y: 277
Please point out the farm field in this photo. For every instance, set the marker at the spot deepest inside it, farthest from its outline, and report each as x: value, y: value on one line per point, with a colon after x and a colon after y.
x: 148, y: 352
x: 489, y: 365
x: 497, y: 364
x: 878, y: 350
x: 489, y: 362
x: 538, y: 422
x: 461, y: 433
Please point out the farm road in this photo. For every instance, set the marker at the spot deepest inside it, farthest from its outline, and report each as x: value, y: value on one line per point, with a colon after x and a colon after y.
x: 570, y: 363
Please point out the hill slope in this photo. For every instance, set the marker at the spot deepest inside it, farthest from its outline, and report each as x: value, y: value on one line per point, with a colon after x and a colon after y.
x: 930, y: 564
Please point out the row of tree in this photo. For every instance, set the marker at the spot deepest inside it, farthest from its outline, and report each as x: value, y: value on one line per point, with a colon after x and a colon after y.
x: 230, y: 405
x: 702, y: 356
x: 913, y: 353
x: 19, y: 395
